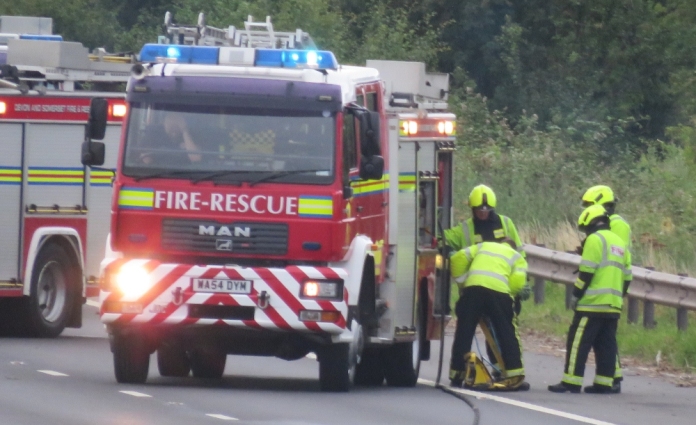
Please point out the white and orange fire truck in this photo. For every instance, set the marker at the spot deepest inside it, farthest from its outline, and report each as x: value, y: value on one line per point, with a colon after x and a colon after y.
x: 269, y: 201
x: 55, y: 211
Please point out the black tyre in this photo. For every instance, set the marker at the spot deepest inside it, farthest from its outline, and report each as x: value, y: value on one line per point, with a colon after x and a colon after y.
x: 369, y: 371
x: 208, y: 363
x: 173, y: 361
x: 54, y: 285
x: 131, y: 359
x: 402, y: 360
x: 334, y: 367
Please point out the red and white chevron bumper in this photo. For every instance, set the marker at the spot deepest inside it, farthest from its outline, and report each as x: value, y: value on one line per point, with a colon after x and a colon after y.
x: 157, y: 293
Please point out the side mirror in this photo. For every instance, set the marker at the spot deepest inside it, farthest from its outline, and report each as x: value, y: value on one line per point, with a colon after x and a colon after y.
x: 371, y: 167
x: 98, y: 112
x: 370, y: 133
x: 93, y: 153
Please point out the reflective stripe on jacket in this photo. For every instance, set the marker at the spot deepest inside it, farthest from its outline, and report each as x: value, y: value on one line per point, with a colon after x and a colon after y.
x: 605, y: 256
x: 492, y: 265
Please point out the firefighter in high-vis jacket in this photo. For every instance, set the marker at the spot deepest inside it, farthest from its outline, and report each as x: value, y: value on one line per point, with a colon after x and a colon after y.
x: 603, y: 280
x: 486, y: 225
x: 604, y: 196
x: 489, y: 275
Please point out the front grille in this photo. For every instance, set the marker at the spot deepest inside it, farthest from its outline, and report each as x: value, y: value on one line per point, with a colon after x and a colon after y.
x: 225, y: 312
x: 234, y: 238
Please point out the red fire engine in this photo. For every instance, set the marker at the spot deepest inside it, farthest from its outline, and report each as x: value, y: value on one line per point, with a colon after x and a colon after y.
x: 54, y: 224
x: 269, y: 201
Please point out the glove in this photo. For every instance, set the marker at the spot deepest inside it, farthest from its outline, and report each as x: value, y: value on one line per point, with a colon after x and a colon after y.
x: 573, y: 302
x: 525, y: 293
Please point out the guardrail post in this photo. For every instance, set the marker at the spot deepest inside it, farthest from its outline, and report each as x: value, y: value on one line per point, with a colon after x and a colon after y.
x: 649, y: 311
x: 633, y: 310
x: 539, y: 290
x: 568, y: 296
x: 682, y: 313
x: 539, y: 286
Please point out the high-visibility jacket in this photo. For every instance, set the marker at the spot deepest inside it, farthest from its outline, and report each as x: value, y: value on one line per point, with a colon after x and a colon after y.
x: 492, y: 265
x: 464, y: 235
x: 604, y: 255
x: 621, y: 227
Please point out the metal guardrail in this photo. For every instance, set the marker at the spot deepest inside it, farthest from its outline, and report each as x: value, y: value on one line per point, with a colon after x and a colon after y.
x: 650, y: 286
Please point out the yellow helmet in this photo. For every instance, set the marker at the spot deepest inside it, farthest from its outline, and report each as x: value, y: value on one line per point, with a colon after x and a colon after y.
x: 598, y: 195
x: 482, y: 197
x: 590, y: 214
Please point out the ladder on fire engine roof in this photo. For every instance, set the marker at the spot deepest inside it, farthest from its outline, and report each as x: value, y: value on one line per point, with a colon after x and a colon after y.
x: 42, y: 65
x: 254, y: 35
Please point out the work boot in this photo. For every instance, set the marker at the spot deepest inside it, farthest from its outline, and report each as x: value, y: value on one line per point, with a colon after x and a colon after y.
x: 497, y: 374
x: 562, y: 387
x: 524, y: 386
x: 456, y: 383
x: 602, y: 389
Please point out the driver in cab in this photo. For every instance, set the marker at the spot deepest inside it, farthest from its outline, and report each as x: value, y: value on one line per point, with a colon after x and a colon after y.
x: 170, y: 142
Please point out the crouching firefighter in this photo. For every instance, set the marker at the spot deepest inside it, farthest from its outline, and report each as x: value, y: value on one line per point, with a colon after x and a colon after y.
x: 603, y: 280
x: 489, y: 275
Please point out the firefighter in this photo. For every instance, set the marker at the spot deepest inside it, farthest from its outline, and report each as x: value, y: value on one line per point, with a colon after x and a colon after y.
x: 489, y: 275
x: 486, y: 225
x: 603, y: 280
x: 604, y: 196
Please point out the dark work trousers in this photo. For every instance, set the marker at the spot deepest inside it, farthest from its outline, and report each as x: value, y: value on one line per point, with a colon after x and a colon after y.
x: 476, y: 302
x: 591, y: 331
x: 517, y: 308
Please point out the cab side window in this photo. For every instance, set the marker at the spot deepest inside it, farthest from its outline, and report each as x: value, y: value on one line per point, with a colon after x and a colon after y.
x: 350, y: 152
x: 371, y: 101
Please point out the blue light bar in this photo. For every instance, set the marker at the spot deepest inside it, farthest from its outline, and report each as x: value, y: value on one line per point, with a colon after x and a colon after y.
x: 319, y: 59
x: 205, y: 55
x: 40, y: 37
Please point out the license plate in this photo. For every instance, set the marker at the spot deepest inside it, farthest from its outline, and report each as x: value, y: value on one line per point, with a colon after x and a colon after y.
x: 227, y: 286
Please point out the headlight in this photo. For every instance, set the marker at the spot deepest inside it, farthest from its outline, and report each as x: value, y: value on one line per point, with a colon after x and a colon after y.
x: 322, y: 289
x: 132, y: 280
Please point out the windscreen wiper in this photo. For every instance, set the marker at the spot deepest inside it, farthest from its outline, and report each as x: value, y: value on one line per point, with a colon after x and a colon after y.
x: 169, y: 173
x: 283, y: 174
x: 215, y: 174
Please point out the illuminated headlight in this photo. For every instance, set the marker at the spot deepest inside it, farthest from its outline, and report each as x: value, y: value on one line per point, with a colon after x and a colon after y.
x: 322, y: 289
x: 132, y: 280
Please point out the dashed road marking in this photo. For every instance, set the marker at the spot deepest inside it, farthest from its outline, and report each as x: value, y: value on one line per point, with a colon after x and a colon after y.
x: 93, y: 303
x: 479, y: 395
x: 223, y: 417
x: 135, y: 394
x: 52, y: 372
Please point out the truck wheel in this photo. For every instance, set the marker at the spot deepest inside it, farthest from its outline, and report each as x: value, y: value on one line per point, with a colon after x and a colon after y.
x: 208, y: 364
x: 334, y: 367
x: 52, y: 293
x: 369, y: 371
x: 131, y: 359
x: 173, y: 361
x: 402, y: 360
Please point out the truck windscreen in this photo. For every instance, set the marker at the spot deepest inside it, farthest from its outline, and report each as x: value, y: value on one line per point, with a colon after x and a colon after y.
x: 228, y: 144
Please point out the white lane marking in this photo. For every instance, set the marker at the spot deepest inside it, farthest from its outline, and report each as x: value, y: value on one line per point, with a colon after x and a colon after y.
x: 311, y: 356
x: 135, y: 394
x: 522, y: 404
x: 52, y: 372
x: 223, y: 417
x: 93, y: 303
